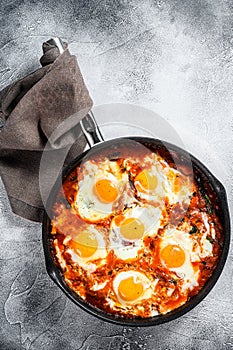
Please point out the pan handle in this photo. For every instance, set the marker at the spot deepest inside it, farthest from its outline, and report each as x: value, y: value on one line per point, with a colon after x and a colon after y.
x: 91, y: 130
x: 88, y: 124
x: 57, y: 42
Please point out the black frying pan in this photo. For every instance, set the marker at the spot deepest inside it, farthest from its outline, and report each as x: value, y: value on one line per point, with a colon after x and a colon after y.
x: 94, y: 138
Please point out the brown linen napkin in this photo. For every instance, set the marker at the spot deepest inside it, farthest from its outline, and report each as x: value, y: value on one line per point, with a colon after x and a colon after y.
x: 44, y: 108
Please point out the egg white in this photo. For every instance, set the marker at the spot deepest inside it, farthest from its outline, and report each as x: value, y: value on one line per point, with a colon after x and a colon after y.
x: 177, y: 193
x: 204, y: 247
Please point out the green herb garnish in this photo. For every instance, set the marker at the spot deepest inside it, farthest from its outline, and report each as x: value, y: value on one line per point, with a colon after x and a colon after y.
x: 208, y: 204
x: 210, y: 239
x: 172, y: 280
x: 194, y: 229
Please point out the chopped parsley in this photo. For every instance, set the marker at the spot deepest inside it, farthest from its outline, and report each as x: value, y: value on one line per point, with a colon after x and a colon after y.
x: 208, y: 204
x: 172, y: 280
x: 194, y: 229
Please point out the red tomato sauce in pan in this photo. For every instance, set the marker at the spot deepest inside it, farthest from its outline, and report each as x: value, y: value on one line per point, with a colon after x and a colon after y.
x: 135, y: 231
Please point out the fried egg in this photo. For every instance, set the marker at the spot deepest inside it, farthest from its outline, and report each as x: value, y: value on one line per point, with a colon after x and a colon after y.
x: 87, y: 248
x: 128, y: 230
x: 132, y: 287
x: 176, y: 254
x: 102, y: 191
x: 150, y: 182
x: 156, y: 181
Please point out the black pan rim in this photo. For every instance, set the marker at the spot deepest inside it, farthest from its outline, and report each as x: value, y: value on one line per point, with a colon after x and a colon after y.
x: 56, y: 274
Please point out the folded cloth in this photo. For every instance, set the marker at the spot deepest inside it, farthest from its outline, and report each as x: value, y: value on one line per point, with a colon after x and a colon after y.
x: 42, y: 109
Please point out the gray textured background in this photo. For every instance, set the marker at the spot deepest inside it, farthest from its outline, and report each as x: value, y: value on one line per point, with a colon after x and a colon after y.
x: 173, y: 57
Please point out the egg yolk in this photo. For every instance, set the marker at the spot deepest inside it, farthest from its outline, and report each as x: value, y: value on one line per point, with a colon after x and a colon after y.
x: 177, y: 184
x: 105, y: 191
x: 129, y: 290
x: 85, y: 244
x: 172, y: 256
x: 147, y: 181
x: 132, y: 228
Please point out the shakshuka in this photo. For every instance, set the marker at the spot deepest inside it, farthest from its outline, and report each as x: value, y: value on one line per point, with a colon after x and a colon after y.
x: 135, y: 231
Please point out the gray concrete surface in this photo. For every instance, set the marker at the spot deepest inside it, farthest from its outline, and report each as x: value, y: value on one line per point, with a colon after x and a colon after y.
x: 173, y: 57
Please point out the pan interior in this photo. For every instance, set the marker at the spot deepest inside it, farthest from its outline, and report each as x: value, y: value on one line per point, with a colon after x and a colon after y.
x: 201, y: 172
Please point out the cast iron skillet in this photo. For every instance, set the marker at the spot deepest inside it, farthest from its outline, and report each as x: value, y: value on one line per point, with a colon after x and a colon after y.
x: 94, y: 137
